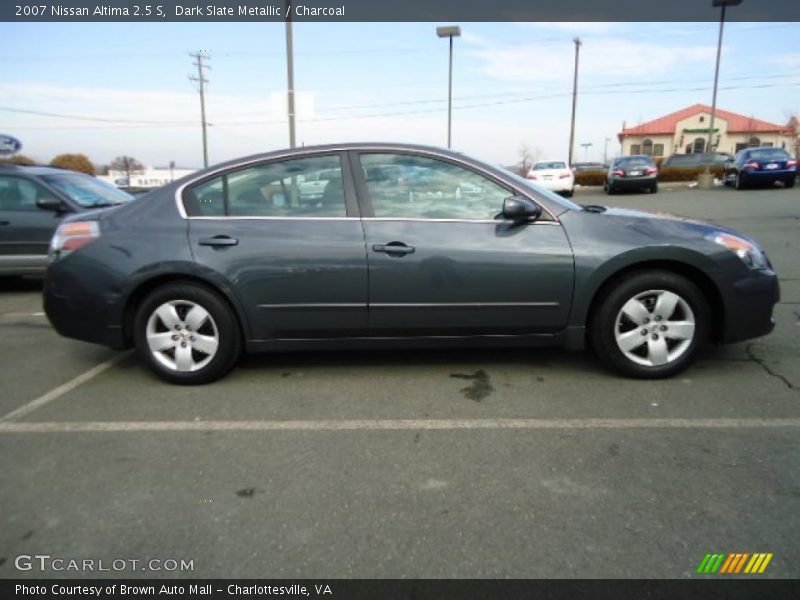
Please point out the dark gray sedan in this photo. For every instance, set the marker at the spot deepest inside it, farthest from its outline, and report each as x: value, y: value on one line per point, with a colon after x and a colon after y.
x: 637, y: 172
x: 406, y: 246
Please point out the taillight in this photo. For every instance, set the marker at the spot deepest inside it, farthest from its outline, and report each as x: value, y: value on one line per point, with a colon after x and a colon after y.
x: 791, y: 163
x: 564, y: 176
x: 651, y: 171
x: 532, y: 176
x: 618, y: 172
x: 750, y: 165
x: 73, y: 236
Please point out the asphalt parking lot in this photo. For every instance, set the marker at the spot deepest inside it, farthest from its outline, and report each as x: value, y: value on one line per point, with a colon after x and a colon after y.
x: 466, y: 463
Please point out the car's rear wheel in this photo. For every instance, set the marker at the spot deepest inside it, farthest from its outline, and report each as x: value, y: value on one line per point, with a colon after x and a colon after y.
x: 789, y: 183
x: 654, y: 188
x: 609, y: 188
x: 738, y: 181
x: 651, y: 325
x: 187, y: 334
x: 569, y: 193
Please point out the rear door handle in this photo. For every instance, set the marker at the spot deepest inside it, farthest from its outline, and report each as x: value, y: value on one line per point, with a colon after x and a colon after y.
x: 397, y: 248
x: 218, y: 240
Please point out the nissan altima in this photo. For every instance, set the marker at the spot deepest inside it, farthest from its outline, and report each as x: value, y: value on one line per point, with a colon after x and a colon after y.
x: 406, y: 246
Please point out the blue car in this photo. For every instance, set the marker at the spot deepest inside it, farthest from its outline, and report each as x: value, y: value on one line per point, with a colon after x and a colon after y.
x: 761, y: 166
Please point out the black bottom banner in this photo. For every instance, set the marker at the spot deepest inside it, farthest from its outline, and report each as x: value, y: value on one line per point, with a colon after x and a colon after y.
x: 416, y: 589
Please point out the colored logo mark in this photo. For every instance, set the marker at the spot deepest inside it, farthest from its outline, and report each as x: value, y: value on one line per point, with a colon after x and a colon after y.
x: 735, y: 563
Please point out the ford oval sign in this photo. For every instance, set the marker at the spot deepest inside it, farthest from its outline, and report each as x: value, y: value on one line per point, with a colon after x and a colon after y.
x: 9, y: 145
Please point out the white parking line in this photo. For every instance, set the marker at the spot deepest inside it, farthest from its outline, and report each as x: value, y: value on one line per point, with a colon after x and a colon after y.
x: 62, y: 389
x: 395, y: 425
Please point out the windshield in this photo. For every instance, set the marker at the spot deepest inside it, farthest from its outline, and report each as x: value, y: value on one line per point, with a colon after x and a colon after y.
x: 87, y: 191
x: 526, y: 183
x: 549, y: 165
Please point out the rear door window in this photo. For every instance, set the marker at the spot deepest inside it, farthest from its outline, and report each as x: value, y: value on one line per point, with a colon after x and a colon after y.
x: 272, y: 190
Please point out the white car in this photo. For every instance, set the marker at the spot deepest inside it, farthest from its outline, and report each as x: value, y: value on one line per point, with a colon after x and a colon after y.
x: 553, y: 175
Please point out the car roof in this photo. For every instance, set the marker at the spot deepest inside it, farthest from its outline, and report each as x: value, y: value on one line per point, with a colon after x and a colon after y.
x: 34, y: 170
x: 309, y: 150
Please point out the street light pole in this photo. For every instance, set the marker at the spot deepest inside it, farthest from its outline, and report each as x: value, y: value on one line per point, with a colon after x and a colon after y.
x: 706, y: 180
x: 290, y: 75
x: 574, y: 98
x: 449, y: 32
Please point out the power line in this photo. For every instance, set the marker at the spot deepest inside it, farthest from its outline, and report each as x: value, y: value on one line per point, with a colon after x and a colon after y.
x: 126, y: 125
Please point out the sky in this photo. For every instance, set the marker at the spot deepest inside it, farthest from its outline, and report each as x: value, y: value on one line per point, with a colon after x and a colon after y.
x: 122, y: 88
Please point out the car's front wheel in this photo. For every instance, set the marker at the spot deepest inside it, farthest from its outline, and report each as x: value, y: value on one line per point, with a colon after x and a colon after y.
x: 187, y: 334
x: 651, y: 325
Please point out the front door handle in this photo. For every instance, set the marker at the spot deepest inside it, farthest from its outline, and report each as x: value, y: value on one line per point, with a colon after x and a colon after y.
x: 5, y: 222
x: 218, y: 240
x: 394, y: 248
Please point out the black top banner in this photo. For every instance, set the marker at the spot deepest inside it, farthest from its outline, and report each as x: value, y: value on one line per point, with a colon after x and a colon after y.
x: 401, y: 10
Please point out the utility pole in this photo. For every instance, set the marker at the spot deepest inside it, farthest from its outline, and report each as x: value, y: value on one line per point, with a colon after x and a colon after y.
x: 574, y: 97
x: 605, y: 151
x: 290, y: 73
x: 202, y: 81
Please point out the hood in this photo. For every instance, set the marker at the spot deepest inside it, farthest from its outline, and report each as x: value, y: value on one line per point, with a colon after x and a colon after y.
x: 653, y: 220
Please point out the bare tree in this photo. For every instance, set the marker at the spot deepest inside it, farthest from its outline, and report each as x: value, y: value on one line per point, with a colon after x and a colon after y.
x: 527, y: 156
x: 128, y: 165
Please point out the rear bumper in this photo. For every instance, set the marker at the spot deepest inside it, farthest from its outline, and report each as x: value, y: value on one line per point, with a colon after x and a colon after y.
x: 749, y: 305
x: 81, y: 316
x: 556, y: 185
x: 630, y: 183
x: 775, y: 175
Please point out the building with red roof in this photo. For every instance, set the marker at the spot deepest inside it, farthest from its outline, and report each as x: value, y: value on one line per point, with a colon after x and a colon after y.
x: 686, y: 131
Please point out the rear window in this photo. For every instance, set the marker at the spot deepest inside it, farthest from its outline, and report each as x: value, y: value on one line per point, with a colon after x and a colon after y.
x: 634, y: 161
x: 769, y: 154
x: 549, y: 165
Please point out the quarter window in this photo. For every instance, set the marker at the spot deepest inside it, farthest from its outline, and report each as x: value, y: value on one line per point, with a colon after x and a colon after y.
x: 416, y: 187
x: 304, y: 187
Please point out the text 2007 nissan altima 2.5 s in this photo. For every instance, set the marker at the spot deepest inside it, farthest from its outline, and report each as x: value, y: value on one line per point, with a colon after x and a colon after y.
x: 405, y: 246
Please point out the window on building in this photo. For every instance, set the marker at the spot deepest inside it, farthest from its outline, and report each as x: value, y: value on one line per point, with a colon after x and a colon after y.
x: 658, y: 149
x: 699, y: 146
x: 636, y: 149
x: 647, y: 147
x: 754, y: 141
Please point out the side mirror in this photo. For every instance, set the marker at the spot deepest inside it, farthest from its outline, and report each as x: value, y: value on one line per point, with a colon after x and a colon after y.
x: 519, y: 208
x: 48, y: 203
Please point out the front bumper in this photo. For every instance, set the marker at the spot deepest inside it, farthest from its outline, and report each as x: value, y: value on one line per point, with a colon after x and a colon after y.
x: 748, y: 306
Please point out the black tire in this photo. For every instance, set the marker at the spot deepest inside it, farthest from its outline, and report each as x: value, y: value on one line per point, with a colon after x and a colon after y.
x: 654, y: 188
x: 789, y: 183
x: 610, y: 189
x: 569, y: 193
x: 603, y: 325
x: 222, y: 325
x: 738, y: 181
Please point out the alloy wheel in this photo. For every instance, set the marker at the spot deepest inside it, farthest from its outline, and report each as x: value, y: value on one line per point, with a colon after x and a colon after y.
x: 654, y: 328
x: 182, y: 335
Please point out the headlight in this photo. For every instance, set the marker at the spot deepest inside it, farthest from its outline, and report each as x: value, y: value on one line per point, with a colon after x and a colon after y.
x: 750, y: 254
